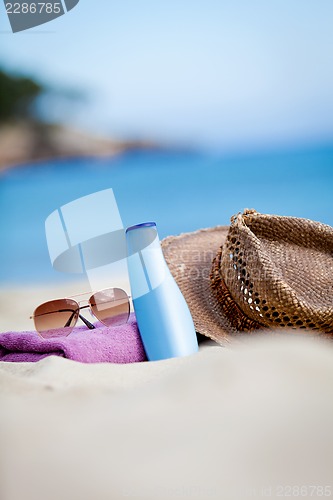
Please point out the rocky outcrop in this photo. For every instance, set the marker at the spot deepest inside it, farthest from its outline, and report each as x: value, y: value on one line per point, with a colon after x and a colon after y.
x: 29, y: 141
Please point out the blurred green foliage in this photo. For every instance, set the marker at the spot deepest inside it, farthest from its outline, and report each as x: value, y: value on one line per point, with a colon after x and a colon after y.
x: 17, y: 95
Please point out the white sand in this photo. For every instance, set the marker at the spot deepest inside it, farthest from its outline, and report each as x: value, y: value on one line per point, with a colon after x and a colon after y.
x: 247, y: 421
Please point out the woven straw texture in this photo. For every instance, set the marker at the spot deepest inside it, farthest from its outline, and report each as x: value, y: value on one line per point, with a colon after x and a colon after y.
x: 189, y: 257
x: 265, y: 271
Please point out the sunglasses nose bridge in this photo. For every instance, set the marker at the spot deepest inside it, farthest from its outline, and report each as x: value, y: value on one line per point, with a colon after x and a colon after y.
x: 84, y: 303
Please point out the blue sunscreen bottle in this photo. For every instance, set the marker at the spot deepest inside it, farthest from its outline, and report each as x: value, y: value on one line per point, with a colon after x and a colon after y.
x: 162, y: 314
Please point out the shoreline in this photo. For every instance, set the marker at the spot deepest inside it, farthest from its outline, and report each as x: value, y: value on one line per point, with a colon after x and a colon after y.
x: 25, y: 143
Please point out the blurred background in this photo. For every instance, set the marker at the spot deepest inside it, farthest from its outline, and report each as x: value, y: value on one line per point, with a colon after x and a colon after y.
x: 191, y: 111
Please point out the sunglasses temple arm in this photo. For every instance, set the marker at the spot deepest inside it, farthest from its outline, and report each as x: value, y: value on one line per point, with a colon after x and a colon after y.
x: 86, y: 322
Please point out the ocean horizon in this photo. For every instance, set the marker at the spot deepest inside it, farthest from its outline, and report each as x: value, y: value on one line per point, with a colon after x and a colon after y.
x: 181, y: 191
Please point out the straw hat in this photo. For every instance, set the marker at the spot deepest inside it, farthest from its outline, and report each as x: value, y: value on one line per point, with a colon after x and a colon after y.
x: 262, y: 272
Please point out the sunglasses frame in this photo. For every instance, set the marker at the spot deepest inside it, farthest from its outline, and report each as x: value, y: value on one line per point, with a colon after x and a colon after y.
x: 79, y: 307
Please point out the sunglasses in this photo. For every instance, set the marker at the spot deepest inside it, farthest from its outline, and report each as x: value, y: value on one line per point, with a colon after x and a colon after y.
x: 57, y: 318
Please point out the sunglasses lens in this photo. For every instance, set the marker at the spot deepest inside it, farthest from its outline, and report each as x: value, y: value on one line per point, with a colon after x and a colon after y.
x: 56, y: 318
x: 111, y: 307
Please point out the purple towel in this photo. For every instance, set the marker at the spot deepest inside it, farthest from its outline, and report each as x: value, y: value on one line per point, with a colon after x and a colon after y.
x: 118, y: 344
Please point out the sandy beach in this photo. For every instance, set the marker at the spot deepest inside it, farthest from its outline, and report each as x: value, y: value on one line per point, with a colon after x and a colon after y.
x: 250, y: 421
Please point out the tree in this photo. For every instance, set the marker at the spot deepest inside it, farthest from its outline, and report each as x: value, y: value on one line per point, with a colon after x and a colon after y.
x: 17, y: 95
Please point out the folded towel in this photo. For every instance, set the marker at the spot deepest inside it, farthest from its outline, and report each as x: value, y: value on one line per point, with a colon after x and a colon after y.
x: 118, y: 344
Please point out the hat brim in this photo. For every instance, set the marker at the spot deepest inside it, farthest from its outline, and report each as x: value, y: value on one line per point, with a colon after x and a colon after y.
x: 189, y: 257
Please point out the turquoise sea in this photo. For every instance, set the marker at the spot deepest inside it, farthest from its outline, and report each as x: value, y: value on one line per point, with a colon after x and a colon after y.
x: 181, y: 191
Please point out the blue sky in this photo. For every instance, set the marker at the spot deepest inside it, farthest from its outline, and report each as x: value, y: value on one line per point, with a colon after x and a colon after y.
x: 230, y: 75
